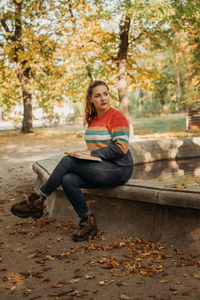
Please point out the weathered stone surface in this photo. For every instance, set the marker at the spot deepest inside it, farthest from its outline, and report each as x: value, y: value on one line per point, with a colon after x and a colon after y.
x: 163, y: 149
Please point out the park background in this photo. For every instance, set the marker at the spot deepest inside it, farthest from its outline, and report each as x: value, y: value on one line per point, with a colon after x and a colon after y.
x: 147, y: 51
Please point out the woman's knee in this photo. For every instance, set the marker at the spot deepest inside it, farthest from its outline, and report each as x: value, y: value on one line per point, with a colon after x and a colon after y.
x: 70, y: 180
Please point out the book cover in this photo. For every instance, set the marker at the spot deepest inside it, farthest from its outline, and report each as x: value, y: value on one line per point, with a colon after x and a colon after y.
x: 83, y: 156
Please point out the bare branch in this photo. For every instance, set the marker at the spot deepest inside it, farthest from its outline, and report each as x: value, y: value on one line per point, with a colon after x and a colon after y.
x: 136, y: 38
x: 130, y: 75
x: 18, y: 21
x: 72, y: 16
x: 3, y: 22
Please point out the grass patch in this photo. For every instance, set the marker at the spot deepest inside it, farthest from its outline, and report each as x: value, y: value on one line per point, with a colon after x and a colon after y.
x: 162, y: 124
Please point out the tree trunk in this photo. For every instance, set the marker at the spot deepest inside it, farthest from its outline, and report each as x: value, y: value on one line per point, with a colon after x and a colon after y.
x: 178, y: 80
x: 23, y: 73
x: 178, y: 89
x: 122, y: 71
x: 27, y: 126
x: 23, y: 76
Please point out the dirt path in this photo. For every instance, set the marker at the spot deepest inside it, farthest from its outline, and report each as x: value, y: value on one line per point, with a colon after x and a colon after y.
x: 38, y: 260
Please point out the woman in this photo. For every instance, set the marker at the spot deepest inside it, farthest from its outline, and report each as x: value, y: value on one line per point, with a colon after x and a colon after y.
x: 107, y: 137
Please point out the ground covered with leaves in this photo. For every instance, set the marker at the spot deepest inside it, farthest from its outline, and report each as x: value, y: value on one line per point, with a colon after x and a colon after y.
x: 38, y: 259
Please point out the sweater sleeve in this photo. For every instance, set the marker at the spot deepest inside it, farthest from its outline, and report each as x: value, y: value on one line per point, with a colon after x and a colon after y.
x: 119, y: 129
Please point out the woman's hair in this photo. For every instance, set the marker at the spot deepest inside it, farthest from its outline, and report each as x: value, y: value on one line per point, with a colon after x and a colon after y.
x: 90, y: 110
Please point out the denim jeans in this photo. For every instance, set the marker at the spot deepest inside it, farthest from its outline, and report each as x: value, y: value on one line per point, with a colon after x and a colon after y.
x: 74, y: 174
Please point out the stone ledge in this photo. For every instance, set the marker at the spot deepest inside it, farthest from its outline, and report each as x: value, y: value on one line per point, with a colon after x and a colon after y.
x: 149, y: 209
x: 165, y: 149
x: 134, y: 190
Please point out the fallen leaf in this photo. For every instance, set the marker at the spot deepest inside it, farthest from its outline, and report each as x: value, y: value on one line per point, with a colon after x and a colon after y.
x: 122, y: 283
x: 146, y: 272
x: 32, y: 255
x: 105, y: 282
x: 124, y: 297
x: 57, y: 285
x: 90, y: 276
x: 182, y: 186
x: 27, y: 292
x: 49, y: 257
x: 45, y: 279
x: 37, y: 274
x: 196, y: 275
x: 174, y: 293
x: 163, y: 281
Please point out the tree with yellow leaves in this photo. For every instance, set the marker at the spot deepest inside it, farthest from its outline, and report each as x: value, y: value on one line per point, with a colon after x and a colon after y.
x: 28, y: 45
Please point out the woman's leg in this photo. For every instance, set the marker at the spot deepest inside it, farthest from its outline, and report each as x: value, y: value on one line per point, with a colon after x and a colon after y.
x: 72, y: 184
x: 105, y: 173
x: 91, y: 174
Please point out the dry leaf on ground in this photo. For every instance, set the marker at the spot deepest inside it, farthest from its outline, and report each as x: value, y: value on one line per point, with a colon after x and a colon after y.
x: 124, y: 297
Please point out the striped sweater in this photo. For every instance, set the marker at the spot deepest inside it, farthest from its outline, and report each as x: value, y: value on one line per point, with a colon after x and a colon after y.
x: 108, y: 137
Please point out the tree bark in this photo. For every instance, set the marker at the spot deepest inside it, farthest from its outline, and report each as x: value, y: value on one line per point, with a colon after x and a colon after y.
x: 23, y: 76
x: 22, y: 71
x: 178, y: 89
x: 178, y: 81
x: 122, y: 70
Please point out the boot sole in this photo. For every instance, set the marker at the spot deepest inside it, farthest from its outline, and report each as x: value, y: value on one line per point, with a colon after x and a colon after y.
x: 92, y: 234
x: 34, y: 215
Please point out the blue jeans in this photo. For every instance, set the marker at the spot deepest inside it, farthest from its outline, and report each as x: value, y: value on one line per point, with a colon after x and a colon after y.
x: 74, y: 174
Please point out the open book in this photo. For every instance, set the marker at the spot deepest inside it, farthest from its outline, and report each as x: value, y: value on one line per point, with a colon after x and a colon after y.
x: 83, y: 156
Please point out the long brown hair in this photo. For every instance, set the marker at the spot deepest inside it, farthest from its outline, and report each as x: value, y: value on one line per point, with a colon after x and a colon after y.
x: 90, y: 110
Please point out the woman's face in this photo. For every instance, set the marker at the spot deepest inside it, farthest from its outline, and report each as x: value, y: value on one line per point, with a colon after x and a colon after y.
x: 101, y: 99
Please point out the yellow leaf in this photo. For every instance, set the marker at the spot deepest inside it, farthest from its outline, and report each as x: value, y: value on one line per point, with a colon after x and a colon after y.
x: 182, y: 186
x: 105, y: 282
x: 163, y: 281
x: 89, y: 276
x: 146, y: 273
x: 57, y: 285
x: 31, y: 255
x: 49, y: 257
x: 27, y: 292
x: 196, y: 275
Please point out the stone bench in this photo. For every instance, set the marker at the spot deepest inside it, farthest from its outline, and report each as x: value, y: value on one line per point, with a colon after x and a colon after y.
x: 150, y: 209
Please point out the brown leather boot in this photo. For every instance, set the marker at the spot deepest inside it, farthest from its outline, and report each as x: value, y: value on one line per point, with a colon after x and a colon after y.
x: 87, y: 228
x: 31, y: 207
